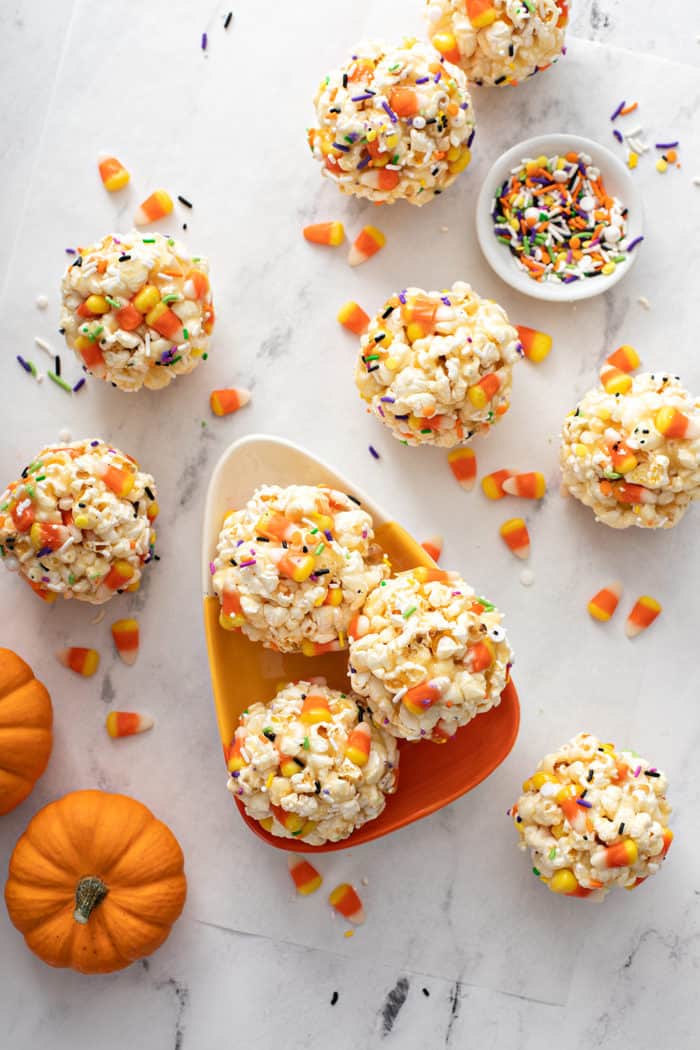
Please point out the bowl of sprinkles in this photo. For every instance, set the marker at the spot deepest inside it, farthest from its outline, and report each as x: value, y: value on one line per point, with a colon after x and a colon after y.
x: 559, y: 218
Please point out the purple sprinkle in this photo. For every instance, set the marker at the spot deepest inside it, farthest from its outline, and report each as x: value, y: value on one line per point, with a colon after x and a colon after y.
x: 445, y: 300
x: 582, y: 802
x: 238, y: 544
x: 362, y: 98
x: 245, y: 564
x: 618, y: 135
x: 212, y: 568
x: 380, y: 410
x: 667, y: 145
x: 71, y: 251
x: 236, y: 773
x: 45, y: 579
x: 637, y: 771
x: 373, y: 452
x: 422, y: 80
x: 79, y: 385
x: 94, y: 444
x: 633, y: 244
x: 437, y: 76
x: 389, y: 400
x: 402, y: 298
x: 464, y: 105
x: 328, y: 534
x: 23, y: 363
x: 364, y: 162
x: 389, y: 112
x: 364, y: 534
x: 340, y: 146
x: 204, y: 41
x: 403, y: 417
x: 619, y: 109
x: 570, y: 278
x: 43, y: 552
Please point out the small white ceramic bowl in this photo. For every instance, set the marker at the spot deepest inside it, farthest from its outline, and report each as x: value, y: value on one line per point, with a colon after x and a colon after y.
x: 618, y: 182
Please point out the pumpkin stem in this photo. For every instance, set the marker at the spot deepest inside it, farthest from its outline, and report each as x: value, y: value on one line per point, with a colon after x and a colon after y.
x: 88, y: 894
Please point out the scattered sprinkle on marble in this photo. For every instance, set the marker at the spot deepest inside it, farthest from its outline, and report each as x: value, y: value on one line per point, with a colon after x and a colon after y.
x: 644, y: 302
x: 42, y: 301
x: 527, y: 577
x: 65, y: 435
x: 334, y: 998
x: 43, y: 345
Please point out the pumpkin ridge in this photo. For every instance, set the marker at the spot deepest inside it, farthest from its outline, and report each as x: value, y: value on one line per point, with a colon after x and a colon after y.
x: 25, y: 673
x: 20, y: 739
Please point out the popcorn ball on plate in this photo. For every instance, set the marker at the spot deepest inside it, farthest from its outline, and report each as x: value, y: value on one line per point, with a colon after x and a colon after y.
x: 294, y: 565
x: 634, y: 456
x: 78, y: 523
x: 436, y: 367
x: 593, y: 818
x: 137, y: 310
x: 427, y: 654
x: 309, y: 765
x: 393, y: 123
x: 498, y: 41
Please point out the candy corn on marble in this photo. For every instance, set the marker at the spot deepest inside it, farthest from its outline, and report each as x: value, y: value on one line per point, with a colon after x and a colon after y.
x: 436, y: 367
x: 634, y: 456
x: 294, y: 565
x: 393, y: 123
x: 137, y: 309
x: 306, y: 779
x: 427, y: 654
x: 498, y: 41
x: 593, y: 818
x: 78, y: 522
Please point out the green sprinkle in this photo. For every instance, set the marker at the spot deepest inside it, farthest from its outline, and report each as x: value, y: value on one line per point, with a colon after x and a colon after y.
x: 204, y: 423
x: 4, y: 506
x: 307, y: 745
x: 113, y: 302
x: 319, y: 550
x: 71, y: 578
x: 371, y: 357
x: 185, y: 333
x: 395, y: 159
x: 383, y: 583
x: 535, y: 871
x: 410, y: 612
x: 503, y: 240
x: 41, y: 478
x: 204, y: 357
x: 170, y: 298
x: 149, y: 240
x: 30, y: 491
x: 348, y: 138
x: 175, y: 360
x: 171, y: 241
x: 552, y: 852
x: 486, y: 604
x: 2, y: 551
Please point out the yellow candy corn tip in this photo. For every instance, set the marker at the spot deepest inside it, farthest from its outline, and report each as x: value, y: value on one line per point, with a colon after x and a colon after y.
x: 358, y: 757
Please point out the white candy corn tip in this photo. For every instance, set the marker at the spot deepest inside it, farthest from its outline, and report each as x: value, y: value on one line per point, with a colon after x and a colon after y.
x: 522, y: 552
x: 128, y: 656
x: 633, y: 629
x: 356, y: 257
x: 357, y: 918
x: 615, y: 588
x: 433, y: 547
x: 244, y: 396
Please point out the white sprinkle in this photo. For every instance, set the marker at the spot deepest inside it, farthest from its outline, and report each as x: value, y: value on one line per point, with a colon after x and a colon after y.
x: 43, y: 345
x: 42, y: 302
x: 527, y: 577
x: 644, y: 302
x: 64, y: 434
x: 364, y: 881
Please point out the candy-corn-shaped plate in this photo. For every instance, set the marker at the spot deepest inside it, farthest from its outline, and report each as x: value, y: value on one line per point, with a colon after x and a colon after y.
x: 242, y: 672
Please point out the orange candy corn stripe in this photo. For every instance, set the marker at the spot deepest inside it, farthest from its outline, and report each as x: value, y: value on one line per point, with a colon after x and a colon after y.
x: 359, y: 744
x: 421, y: 697
x: 536, y: 345
x: 126, y: 639
x: 674, y: 424
x: 127, y: 723
x: 83, y: 661
x: 119, y: 575
x: 433, y: 547
x: 604, y: 603
x: 620, y: 855
x: 155, y: 207
x: 485, y: 390
x: 330, y: 233
x: 625, y: 358
x: 113, y: 174
x: 614, y: 380
x: 353, y: 317
x: 644, y: 612
x: 367, y: 243
x: 224, y: 402
x: 481, y: 13
x: 492, y: 484
x: 315, y: 709
x: 516, y: 537
x: 527, y: 486
x: 304, y: 875
x: 346, y: 902
x: 463, y: 465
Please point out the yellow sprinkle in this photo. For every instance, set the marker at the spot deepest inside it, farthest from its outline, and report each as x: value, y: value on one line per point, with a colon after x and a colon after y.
x: 270, y: 778
x: 349, y: 933
x: 661, y: 165
x: 609, y: 268
x: 632, y: 160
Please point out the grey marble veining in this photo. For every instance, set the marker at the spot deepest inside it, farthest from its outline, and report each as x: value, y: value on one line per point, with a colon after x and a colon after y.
x: 453, y: 911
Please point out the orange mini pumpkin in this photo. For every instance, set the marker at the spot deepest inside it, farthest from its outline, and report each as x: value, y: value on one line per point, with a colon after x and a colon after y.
x: 96, y: 882
x: 26, y: 717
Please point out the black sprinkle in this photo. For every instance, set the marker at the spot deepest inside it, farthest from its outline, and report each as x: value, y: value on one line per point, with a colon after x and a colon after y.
x: 324, y: 572
x: 374, y: 368
x: 57, y: 365
x: 183, y: 200
x: 589, y: 778
x: 621, y: 828
x: 285, y: 544
x: 78, y: 262
x: 393, y: 1004
x: 345, y: 80
x: 650, y: 774
x: 426, y: 993
x: 148, y: 492
x: 233, y: 562
x: 334, y: 998
x: 583, y: 793
x: 123, y: 258
x: 317, y: 786
x: 389, y: 310
x: 261, y: 539
x: 269, y: 733
x: 354, y: 500
x: 500, y: 80
x: 227, y: 20
x: 184, y: 225
x: 62, y: 331
x: 299, y: 763
x: 378, y: 338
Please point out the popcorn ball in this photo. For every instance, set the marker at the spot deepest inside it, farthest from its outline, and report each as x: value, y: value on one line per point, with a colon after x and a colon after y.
x: 393, y: 123
x: 427, y: 654
x: 498, y: 41
x: 294, y: 565
x: 634, y: 456
x: 137, y: 310
x: 310, y: 765
x: 436, y: 367
x: 78, y: 523
x: 593, y: 818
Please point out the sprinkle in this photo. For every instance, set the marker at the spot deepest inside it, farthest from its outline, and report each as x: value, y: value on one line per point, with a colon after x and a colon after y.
x: 43, y: 345
x: 536, y: 871
x: 362, y: 98
x: 183, y: 200
x: 204, y: 41
x: 582, y: 802
x: 667, y: 145
x: 618, y: 135
x: 334, y: 998
x: 618, y: 111
x: 637, y: 771
x: 227, y: 20
x: 25, y: 364
x: 373, y: 452
x: 389, y: 112
x: 245, y: 564
x: 410, y: 612
x: 628, y: 109
x: 552, y: 852
x: 633, y: 244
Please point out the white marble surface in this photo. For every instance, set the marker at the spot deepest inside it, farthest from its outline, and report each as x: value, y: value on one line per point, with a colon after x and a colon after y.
x: 452, y: 906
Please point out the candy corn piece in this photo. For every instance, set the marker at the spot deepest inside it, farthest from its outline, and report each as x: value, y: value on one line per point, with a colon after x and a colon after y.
x: 516, y: 537
x: 643, y: 614
x: 427, y: 574
x: 232, y: 753
x: 527, y: 486
x: 297, y: 567
x: 358, y: 626
x: 463, y: 465
x: 433, y: 547
x: 492, y: 484
x: 575, y: 814
x: 346, y: 902
x: 113, y: 173
x: 224, y: 402
x: 380, y: 179
x: 421, y: 697
x: 480, y: 656
x: 155, y: 207
x: 304, y: 875
x: 359, y: 744
x: 367, y: 243
x: 625, y: 358
x: 614, y: 380
x: 82, y: 661
x: 446, y: 44
x: 536, y: 345
x: 119, y: 575
x: 480, y: 13
x: 603, y: 604
x: 315, y: 709
x: 166, y: 322
x: 127, y: 723
x: 292, y: 822
x: 674, y: 424
x: 353, y: 317
x: 47, y: 537
x: 119, y: 481
x: 623, y: 458
x: 126, y: 638
x: 667, y: 836
x: 309, y: 648
x: 620, y: 855
x: 331, y: 233
x: 482, y: 392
